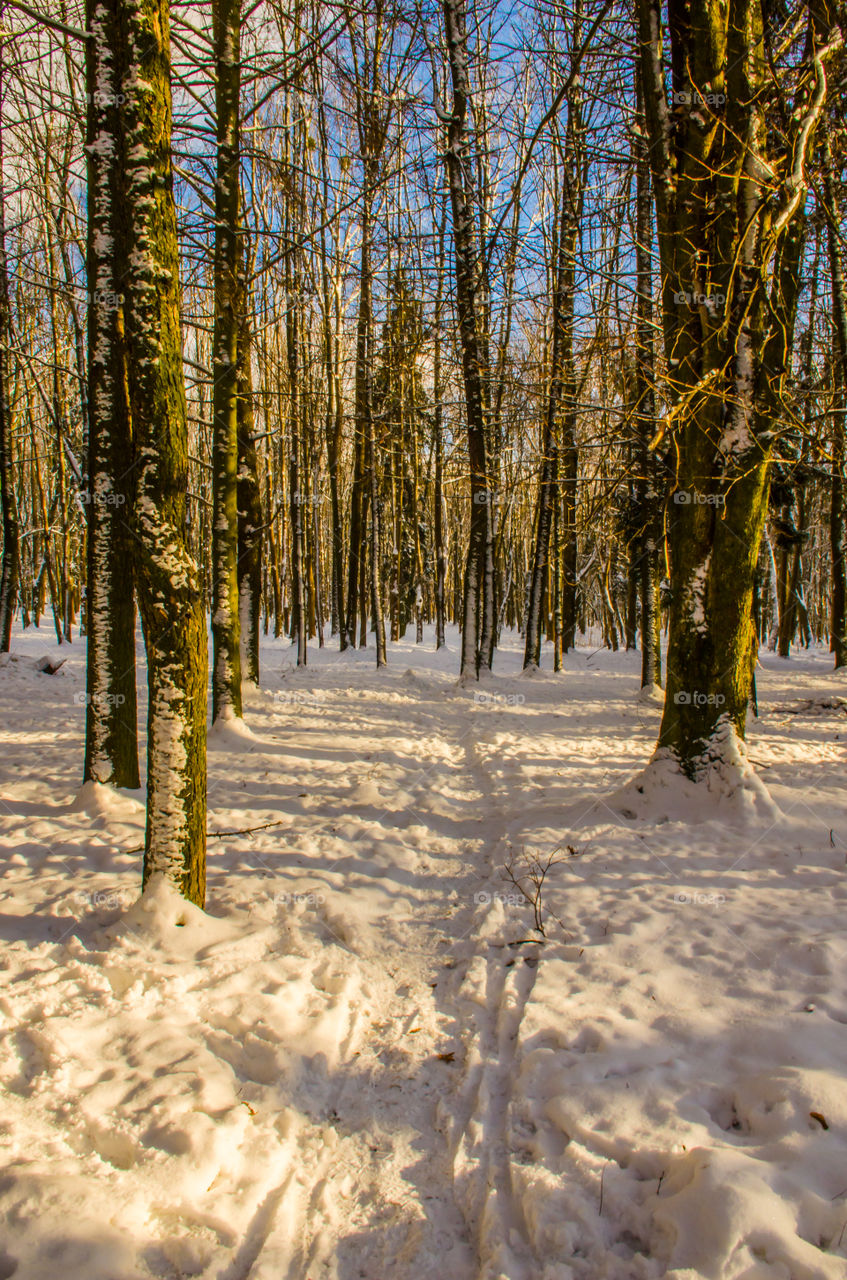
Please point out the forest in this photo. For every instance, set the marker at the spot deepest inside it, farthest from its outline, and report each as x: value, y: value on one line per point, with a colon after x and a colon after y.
x: 423, y: 639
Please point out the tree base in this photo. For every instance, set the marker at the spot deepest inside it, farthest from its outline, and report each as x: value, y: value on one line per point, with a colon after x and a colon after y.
x: 102, y: 800
x: 724, y: 785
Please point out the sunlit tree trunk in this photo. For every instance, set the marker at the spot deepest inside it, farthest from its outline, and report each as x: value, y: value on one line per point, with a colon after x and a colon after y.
x: 726, y: 247
x: 168, y: 580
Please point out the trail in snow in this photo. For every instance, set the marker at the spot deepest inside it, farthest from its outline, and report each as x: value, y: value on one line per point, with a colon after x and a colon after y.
x: 362, y: 1061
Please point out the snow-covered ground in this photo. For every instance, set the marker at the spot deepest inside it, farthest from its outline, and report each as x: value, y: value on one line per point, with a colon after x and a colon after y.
x: 362, y: 1061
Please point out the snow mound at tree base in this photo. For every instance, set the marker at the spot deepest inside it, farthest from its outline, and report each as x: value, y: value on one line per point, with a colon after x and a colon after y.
x: 100, y: 800
x: 727, y: 786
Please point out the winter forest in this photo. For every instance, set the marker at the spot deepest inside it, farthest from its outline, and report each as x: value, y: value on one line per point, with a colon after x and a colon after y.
x: 423, y: 640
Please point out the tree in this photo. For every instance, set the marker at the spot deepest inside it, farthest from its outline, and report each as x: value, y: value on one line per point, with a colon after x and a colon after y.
x: 249, y: 495
x: 11, y: 549
x: 471, y: 337
x: 728, y: 241
x: 560, y: 466
x: 226, y: 673
x: 839, y: 324
x: 170, y: 599
x: 111, y: 746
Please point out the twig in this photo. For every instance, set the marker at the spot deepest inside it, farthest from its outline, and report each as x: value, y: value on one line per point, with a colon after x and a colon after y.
x: 218, y: 835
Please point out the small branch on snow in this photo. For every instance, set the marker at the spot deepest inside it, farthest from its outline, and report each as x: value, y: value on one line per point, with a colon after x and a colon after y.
x: 219, y: 835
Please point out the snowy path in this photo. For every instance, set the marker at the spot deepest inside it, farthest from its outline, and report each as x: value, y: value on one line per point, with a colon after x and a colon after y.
x: 362, y: 1063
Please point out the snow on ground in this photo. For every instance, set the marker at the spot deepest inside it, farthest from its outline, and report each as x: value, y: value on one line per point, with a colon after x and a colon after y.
x: 362, y: 1061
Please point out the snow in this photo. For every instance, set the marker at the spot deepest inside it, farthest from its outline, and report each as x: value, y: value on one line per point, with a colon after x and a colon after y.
x: 362, y: 1059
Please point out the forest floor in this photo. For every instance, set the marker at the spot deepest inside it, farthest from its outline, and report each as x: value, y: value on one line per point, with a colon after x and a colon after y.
x: 363, y: 1061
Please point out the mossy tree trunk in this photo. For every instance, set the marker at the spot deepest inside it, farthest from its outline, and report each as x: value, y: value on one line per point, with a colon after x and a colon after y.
x: 728, y: 249
x: 167, y: 577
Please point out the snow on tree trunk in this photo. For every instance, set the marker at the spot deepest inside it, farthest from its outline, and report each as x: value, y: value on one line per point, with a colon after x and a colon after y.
x: 111, y: 741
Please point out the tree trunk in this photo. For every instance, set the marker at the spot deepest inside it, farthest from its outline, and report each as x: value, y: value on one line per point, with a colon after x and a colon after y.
x: 838, y: 614
x: 364, y: 407
x: 471, y: 335
x: 11, y: 552
x: 226, y: 642
x: 249, y: 494
x: 111, y: 720
x: 438, y: 431
x: 647, y: 496
x: 298, y: 580
x: 560, y: 409
x: 168, y: 580
x: 728, y: 250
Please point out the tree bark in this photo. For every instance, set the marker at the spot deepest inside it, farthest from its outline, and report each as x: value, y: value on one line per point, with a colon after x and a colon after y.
x: 226, y: 641
x: 648, y: 499
x: 111, y: 743
x: 838, y: 605
x: 249, y: 494
x: 727, y: 251
x: 168, y: 581
x: 471, y: 335
x: 560, y: 412
x: 11, y: 544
